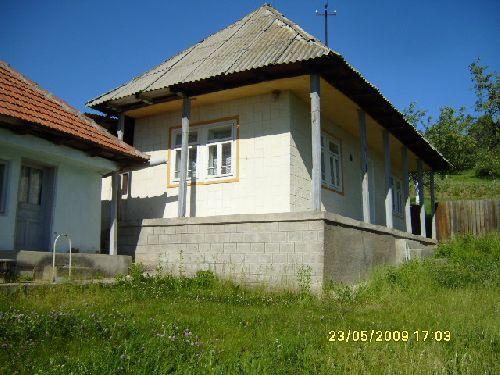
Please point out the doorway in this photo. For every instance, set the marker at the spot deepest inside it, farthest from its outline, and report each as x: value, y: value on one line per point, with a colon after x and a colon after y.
x: 34, y: 208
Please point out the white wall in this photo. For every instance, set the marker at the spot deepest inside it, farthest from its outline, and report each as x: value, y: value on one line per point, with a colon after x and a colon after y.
x: 264, y: 167
x: 76, y: 208
x: 275, y: 165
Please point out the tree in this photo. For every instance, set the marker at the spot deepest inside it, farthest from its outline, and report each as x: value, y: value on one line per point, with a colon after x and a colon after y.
x: 486, y: 129
x: 415, y: 116
x: 450, y: 135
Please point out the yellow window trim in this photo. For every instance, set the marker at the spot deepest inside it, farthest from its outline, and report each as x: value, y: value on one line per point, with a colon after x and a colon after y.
x: 222, y: 180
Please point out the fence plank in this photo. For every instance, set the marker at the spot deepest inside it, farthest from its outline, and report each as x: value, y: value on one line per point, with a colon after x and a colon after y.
x: 460, y: 217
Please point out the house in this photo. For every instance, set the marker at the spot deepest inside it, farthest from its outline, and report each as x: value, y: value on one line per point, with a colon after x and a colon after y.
x: 52, y: 159
x: 281, y: 156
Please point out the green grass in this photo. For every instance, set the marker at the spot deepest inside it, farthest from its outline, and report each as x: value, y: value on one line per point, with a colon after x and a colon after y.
x: 466, y: 185
x: 151, y: 325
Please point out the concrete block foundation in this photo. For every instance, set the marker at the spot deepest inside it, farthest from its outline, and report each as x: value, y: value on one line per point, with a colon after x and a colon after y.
x: 279, y: 250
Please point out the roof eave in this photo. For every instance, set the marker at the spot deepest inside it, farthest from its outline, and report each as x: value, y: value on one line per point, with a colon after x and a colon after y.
x: 333, y: 69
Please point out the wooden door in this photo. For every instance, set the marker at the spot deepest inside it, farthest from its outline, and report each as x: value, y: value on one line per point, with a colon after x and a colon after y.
x: 32, y: 209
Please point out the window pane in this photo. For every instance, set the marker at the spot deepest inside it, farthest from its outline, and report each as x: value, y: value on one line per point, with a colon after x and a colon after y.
x: 226, y: 158
x: 193, y: 138
x: 192, y: 151
x: 177, y: 163
x: 24, y: 185
x: 124, y: 188
x: 332, y: 173
x: 333, y: 148
x: 337, y: 173
x: 220, y: 133
x: 323, y: 168
x: 192, y: 162
x: 35, y: 189
x: 212, y: 160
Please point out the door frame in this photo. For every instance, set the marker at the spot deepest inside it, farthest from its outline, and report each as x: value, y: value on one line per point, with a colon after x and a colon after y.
x: 47, y: 200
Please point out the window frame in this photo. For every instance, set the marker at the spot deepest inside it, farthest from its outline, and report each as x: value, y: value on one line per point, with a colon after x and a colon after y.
x: 326, y: 154
x: 4, y: 186
x: 202, y: 155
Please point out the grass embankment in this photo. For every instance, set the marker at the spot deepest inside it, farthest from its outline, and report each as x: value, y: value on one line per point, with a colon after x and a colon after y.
x: 203, y: 325
x: 464, y: 186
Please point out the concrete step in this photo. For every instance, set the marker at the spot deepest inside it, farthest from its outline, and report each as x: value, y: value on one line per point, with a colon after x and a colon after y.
x: 423, y: 252
x: 62, y: 273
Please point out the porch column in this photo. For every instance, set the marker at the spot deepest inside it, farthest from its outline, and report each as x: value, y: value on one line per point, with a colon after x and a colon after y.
x: 388, y: 185
x: 316, y: 141
x: 113, y: 229
x: 186, y: 111
x: 406, y: 188
x: 421, y: 190
x: 364, y: 166
x: 120, y: 130
x: 115, y: 196
x: 433, y: 205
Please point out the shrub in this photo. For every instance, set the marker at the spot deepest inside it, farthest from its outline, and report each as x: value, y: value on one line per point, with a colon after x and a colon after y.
x: 488, y: 165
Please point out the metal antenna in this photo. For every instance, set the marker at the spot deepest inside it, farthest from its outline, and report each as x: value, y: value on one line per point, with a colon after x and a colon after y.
x: 325, y: 14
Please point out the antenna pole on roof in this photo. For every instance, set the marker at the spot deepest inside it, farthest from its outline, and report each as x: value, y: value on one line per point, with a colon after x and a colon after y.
x: 326, y: 14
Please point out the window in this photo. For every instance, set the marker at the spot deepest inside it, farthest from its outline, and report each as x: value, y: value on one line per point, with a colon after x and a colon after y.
x: 125, y: 181
x: 212, y: 151
x: 397, y: 195
x: 30, y: 187
x: 192, y: 152
x: 331, y: 162
x: 3, y: 186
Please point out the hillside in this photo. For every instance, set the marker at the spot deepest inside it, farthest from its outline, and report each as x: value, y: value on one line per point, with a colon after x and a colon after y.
x: 424, y: 317
x: 466, y: 185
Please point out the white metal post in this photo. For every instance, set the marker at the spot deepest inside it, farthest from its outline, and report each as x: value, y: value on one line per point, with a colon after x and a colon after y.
x: 316, y: 141
x: 387, y: 174
x: 183, y: 169
x: 406, y: 188
x: 364, y: 166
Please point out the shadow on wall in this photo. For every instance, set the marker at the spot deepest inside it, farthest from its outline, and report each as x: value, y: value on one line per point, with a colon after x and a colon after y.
x: 135, y: 209
x: 131, y: 208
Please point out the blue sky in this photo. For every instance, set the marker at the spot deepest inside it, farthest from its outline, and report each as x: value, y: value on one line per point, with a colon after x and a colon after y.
x: 411, y: 50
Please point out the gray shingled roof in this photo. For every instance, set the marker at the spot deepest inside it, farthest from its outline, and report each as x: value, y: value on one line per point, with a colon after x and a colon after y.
x: 262, y: 38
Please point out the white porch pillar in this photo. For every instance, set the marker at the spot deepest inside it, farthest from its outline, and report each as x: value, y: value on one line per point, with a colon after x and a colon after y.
x: 433, y: 205
x: 186, y: 111
x: 364, y: 166
x: 316, y: 141
x: 388, y: 185
x: 113, y: 229
x: 115, y: 196
x: 421, y: 190
x: 120, y: 131
x: 406, y: 188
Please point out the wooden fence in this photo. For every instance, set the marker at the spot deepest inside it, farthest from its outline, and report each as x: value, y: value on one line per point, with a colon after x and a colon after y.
x: 473, y: 216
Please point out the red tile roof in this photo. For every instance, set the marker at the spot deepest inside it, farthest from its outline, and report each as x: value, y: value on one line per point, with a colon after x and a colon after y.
x: 43, y: 113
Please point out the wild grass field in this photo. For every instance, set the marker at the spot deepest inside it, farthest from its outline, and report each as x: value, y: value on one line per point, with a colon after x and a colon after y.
x: 466, y: 185
x: 148, y: 325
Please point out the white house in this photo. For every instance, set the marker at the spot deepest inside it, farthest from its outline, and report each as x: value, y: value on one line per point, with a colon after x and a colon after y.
x: 52, y: 159
x: 261, y: 118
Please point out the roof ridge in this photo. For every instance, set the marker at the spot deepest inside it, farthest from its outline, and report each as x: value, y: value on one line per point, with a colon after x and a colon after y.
x: 187, y: 50
x: 157, y: 77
